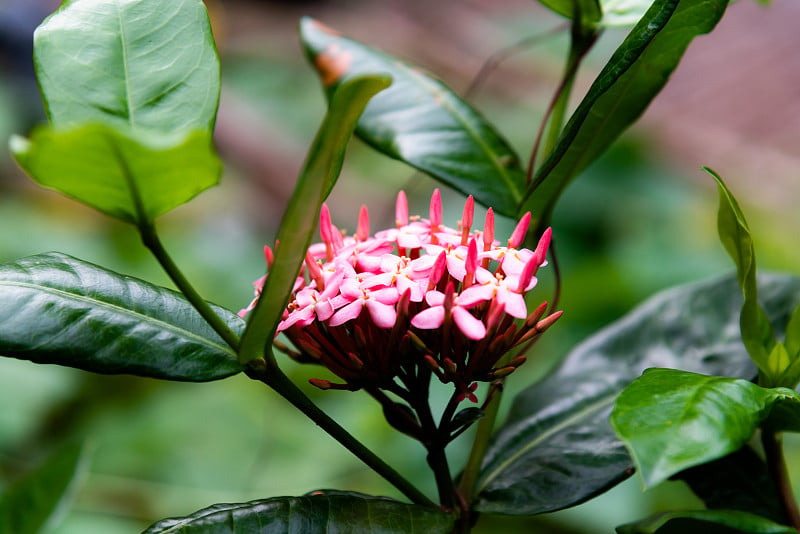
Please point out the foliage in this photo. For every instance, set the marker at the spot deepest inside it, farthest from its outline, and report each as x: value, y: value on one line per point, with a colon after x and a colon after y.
x: 131, y: 92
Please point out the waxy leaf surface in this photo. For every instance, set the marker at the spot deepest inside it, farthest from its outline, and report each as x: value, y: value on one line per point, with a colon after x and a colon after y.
x: 61, y: 310
x: 127, y: 175
x: 420, y: 121
x: 148, y: 64
x: 316, y: 180
x: 621, y: 92
x: 32, y: 503
x: 323, y: 511
x: 557, y: 448
x: 705, y: 522
x: 671, y: 420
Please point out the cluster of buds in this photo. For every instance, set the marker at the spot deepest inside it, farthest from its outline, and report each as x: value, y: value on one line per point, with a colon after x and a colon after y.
x: 374, y: 309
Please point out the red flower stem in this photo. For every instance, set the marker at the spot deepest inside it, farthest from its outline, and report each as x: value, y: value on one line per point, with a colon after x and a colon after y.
x: 776, y: 464
x: 270, y: 374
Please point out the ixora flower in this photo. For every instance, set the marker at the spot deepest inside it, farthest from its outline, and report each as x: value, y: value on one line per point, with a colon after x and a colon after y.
x: 419, y: 299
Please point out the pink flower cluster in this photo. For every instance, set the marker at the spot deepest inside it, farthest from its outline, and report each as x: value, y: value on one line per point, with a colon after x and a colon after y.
x: 452, y: 300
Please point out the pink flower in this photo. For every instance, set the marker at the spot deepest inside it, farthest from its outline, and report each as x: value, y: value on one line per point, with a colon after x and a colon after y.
x: 451, y: 300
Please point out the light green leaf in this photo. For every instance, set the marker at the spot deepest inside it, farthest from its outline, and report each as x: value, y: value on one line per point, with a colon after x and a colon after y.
x: 61, y: 310
x: 323, y: 164
x: 634, y: 75
x: 147, y: 64
x: 320, y: 511
x: 671, y: 420
x: 126, y: 174
x: 34, y: 501
x: 705, y: 522
x: 735, y: 237
x: 623, y: 13
x: 421, y: 121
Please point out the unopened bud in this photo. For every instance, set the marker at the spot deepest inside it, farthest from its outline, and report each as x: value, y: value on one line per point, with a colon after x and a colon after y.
x: 321, y: 384
x: 503, y: 371
x: 417, y: 342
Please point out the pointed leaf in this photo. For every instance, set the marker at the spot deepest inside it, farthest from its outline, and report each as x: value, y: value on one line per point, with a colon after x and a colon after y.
x: 128, y: 175
x: 61, y: 310
x: 421, y: 121
x: 671, y: 420
x: 738, y: 481
x: 704, y: 522
x: 557, y: 447
x: 33, y: 502
x: 320, y: 511
x: 621, y: 92
x: 735, y: 236
x: 149, y: 64
x: 588, y: 10
x: 318, y: 177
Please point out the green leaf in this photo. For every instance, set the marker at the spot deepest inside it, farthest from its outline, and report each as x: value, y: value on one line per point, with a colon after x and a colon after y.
x: 130, y: 175
x: 738, y: 481
x: 557, y: 448
x: 421, y: 121
x: 588, y: 10
x: 61, y: 310
x: 671, y: 420
x: 319, y: 511
x: 623, y: 13
x: 34, y: 501
x: 705, y: 522
x: 735, y: 237
x: 149, y: 64
x: 323, y: 164
x: 621, y: 92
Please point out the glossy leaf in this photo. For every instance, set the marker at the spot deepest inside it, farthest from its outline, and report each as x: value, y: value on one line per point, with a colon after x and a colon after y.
x: 738, y: 481
x: 320, y: 511
x: 633, y: 76
x: 557, y: 448
x: 623, y: 13
x: 34, y: 501
x: 421, y: 121
x: 671, y: 420
x: 61, y: 310
x: 147, y: 64
x: 704, y: 522
x: 318, y: 177
x: 131, y: 176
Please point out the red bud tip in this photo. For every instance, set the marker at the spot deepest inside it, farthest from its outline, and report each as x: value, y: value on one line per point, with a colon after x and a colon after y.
x: 548, y: 321
x: 362, y: 232
x: 401, y: 210
x: 518, y: 236
x: 268, y: 256
x: 321, y: 384
x: 466, y: 219
x: 488, y: 230
x: 436, y: 210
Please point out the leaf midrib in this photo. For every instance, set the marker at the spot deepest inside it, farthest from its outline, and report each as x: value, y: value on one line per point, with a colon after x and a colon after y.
x: 126, y: 74
x: 67, y: 295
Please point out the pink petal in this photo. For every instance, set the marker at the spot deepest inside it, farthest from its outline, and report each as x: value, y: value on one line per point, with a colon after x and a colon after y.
x: 429, y: 319
x: 514, y: 304
x: 383, y: 315
x: 469, y: 325
x: 349, y: 312
x: 434, y: 298
x: 388, y: 295
x: 324, y: 310
x: 475, y: 295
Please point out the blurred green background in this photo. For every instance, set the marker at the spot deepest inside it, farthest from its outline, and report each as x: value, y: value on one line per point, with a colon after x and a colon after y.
x: 639, y: 220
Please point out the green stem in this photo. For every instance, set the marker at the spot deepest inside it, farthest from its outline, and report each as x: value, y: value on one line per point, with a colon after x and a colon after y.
x: 152, y: 242
x: 269, y: 373
x: 469, y: 478
x: 776, y: 463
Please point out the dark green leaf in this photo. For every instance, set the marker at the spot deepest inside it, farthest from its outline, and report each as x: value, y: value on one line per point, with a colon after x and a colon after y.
x: 739, y: 481
x: 735, y: 236
x: 671, y: 420
x: 557, y: 448
x: 420, y: 121
x: 622, y: 91
x: 33, y: 502
x: 466, y: 417
x: 588, y: 10
x: 57, y: 309
x: 320, y: 511
x: 131, y: 176
x: 323, y: 164
x: 705, y: 522
x: 149, y: 64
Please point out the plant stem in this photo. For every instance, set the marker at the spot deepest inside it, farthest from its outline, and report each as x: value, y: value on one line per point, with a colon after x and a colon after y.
x: 469, y: 477
x: 776, y: 463
x: 269, y: 373
x: 153, y: 243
